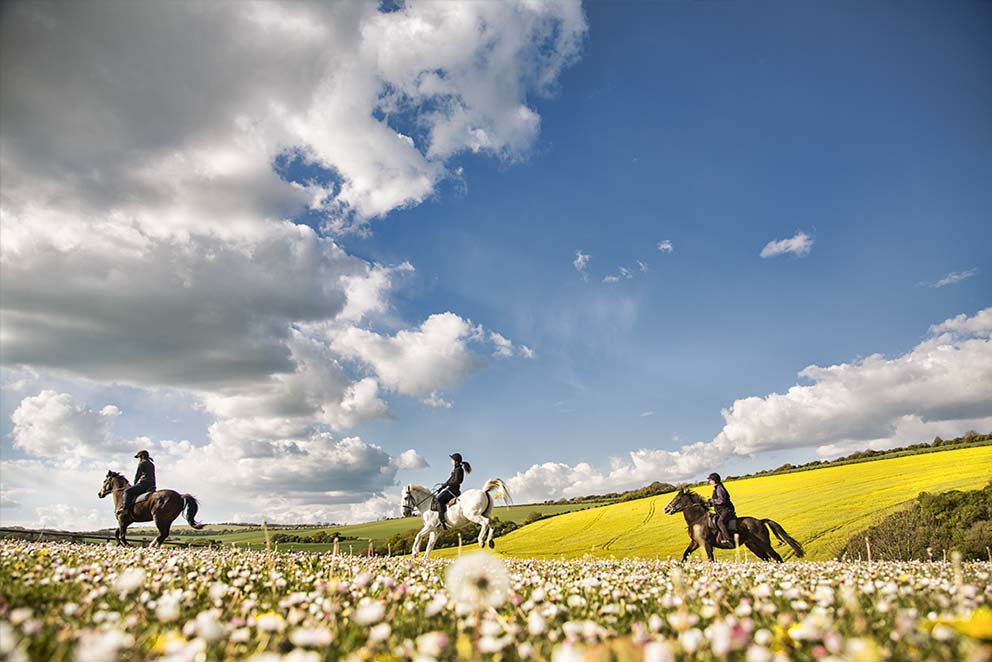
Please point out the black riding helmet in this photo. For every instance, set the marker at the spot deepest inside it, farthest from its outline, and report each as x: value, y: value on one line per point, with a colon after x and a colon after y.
x: 143, y: 455
x: 714, y: 476
x: 457, y: 457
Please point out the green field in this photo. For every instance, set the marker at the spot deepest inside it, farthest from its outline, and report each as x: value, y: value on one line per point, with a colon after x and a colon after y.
x: 822, y: 508
x: 251, y: 536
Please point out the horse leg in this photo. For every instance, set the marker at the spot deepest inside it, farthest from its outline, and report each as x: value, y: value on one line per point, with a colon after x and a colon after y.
x: 484, y: 526
x: 123, y: 530
x: 417, y: 539
x: 490, y: 541
x: 483, y: 531
x: 763, y: 541
x: 693, y: 546
x: 164, y: 526
x: 757, y: 549
x: 708, y: 546
x: 431, y: 539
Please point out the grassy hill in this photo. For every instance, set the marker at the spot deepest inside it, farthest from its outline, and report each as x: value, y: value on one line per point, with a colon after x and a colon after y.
x: 357, y: 535
x: 822, y: 508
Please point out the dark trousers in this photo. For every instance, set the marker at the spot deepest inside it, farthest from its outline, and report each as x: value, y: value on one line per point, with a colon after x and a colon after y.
x: 133, y: 492
x: 723, y: 517
x: 443, y: 498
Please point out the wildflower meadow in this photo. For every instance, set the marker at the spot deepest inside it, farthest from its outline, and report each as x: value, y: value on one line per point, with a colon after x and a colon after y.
x: 64, y: 602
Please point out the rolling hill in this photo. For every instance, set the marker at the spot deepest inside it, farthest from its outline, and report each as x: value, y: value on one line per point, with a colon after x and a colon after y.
x: 358, y: 534
x: 822, y: 508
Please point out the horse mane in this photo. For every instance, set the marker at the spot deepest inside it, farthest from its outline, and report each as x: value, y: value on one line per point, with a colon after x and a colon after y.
x: 695, y: 497
x: 114, y: 474
x: 415, y: 486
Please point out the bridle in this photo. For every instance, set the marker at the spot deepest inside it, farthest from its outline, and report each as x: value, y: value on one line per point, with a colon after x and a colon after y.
x: 104, y: 492
x: 682, y: 503
x: 409, y: 499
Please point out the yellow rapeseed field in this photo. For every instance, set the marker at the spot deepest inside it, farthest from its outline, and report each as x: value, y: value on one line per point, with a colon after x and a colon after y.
x: 821, y: 508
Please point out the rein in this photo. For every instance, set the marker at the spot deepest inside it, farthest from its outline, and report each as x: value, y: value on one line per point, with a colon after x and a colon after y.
x: 119, y: 489
x: 419, y: 503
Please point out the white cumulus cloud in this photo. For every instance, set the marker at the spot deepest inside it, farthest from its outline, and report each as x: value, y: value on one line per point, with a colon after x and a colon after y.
x: 148, y: 205
x: 943, y: 386
x: 55, y: 425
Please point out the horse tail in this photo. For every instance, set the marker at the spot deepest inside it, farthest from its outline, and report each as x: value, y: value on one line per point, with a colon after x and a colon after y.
x: 192, y: 505
x: 785, y: 537
x: 498, y: 488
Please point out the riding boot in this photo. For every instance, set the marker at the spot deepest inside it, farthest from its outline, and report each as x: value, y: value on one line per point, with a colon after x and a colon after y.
x: 441, y: 508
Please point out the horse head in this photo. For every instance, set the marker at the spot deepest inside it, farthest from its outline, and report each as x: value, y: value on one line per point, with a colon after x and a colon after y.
x: 111, y: 482
x: 414, y: 498
x: 682, y: 500
x: 407, y: 502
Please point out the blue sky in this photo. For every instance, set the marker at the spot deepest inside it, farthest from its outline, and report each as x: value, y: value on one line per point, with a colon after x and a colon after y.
x: 718, y: 127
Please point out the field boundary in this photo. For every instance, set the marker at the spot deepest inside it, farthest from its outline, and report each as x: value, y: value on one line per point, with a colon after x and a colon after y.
x: 42, y: 534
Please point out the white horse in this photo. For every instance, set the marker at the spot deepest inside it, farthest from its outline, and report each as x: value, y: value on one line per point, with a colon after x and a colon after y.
x: 472, y: 506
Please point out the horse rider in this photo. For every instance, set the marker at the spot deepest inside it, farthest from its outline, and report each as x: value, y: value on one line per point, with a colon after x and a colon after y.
x: 723, y: 505
x: 452, y: 487
x: 144, y: 481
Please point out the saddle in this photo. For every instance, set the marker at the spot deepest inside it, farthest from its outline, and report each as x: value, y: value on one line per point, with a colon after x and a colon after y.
x: 731, y: 526
x: 436, y: 508
x: 142, y: 497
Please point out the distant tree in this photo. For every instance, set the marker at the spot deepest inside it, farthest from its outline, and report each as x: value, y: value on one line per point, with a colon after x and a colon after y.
x: 949, y: 521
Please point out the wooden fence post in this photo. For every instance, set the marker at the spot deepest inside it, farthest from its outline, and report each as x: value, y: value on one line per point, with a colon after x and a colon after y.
x: 868, y: 549
x: 958, y: 581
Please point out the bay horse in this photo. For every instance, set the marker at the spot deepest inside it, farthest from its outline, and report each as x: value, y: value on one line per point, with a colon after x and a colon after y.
x: 472, y: 506
x: 752, y: 532
x: 161, y: 506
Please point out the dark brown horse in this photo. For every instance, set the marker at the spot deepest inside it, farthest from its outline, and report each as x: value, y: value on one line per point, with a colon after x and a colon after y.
x: 752, y: 532
x: 162, y: 507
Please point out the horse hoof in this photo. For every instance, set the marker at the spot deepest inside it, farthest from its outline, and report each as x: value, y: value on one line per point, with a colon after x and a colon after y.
x: 492, y: 544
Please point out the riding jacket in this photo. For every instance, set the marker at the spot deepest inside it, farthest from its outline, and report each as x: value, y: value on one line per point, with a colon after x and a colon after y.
x: 454, y: 482
x: 145, y: 476
x: 721, y: 498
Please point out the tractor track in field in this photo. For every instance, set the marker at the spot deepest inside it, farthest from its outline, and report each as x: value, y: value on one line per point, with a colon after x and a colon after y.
x: 650, y: 515
x: 652, y: 509
x: 609, y: 543
x: 589, y: 525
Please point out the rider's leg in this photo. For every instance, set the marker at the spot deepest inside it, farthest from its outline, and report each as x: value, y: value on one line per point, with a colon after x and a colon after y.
x: 443, y: 497
x: 723, y: 523
x: 129, y: 496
